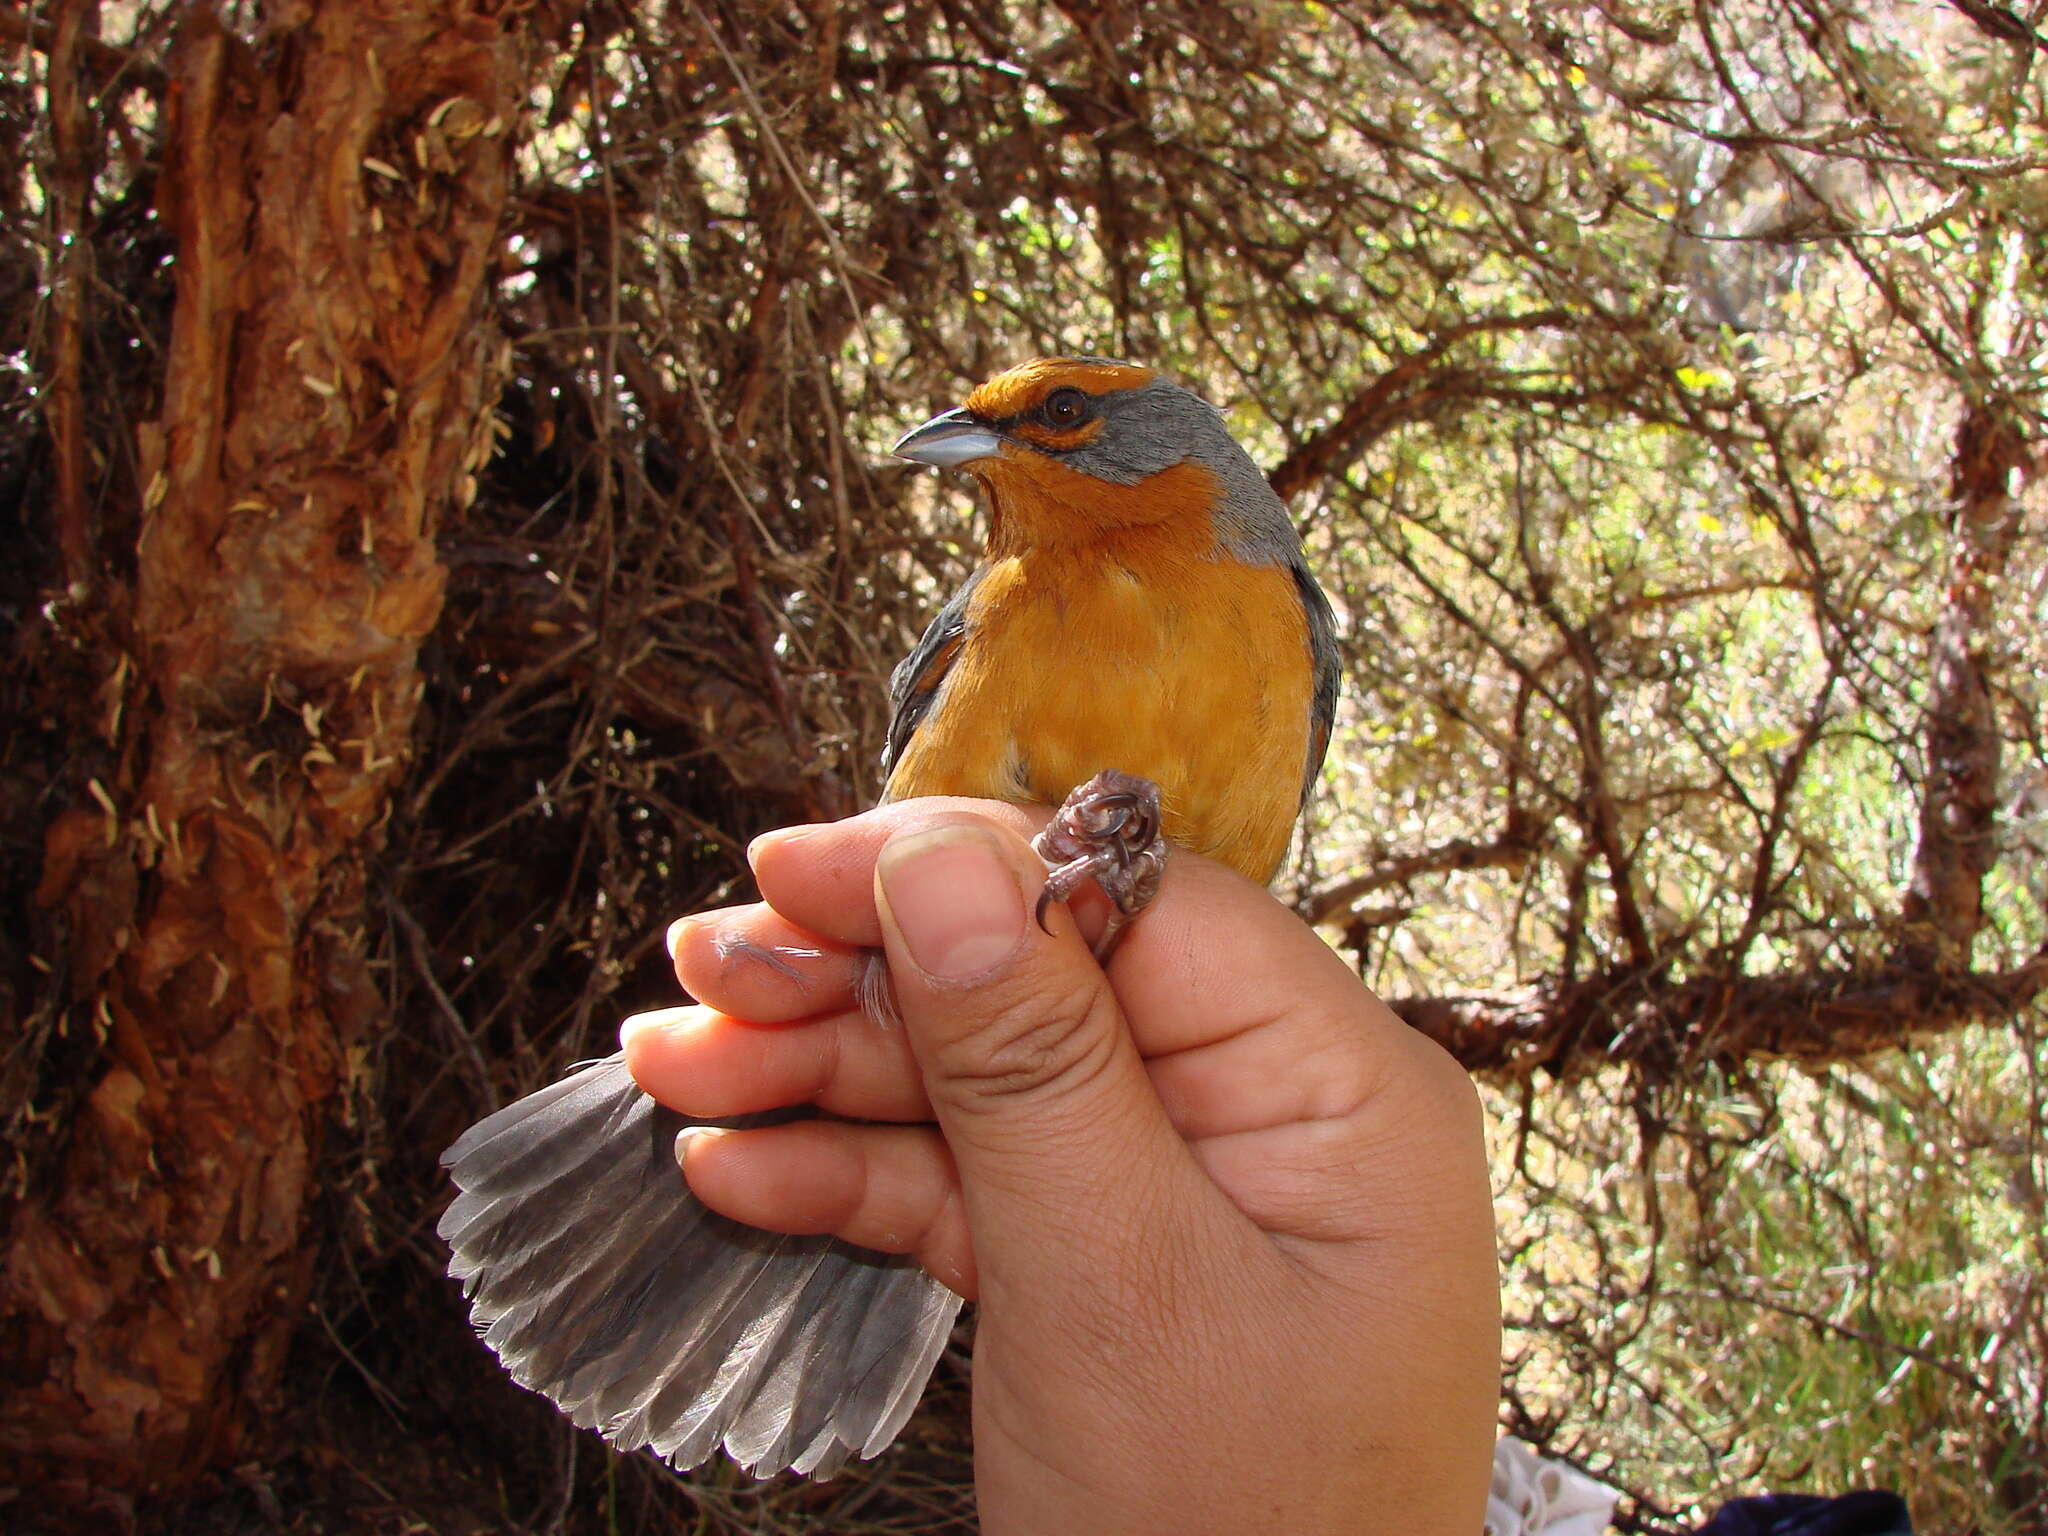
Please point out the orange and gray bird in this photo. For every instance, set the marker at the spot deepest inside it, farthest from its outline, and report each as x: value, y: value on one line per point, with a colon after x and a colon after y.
x: 1143, y: 607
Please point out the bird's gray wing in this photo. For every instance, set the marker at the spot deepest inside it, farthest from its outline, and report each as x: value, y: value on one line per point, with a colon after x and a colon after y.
x: 1322, y: 650
x: 604, y: 1284
x: 915, y: 683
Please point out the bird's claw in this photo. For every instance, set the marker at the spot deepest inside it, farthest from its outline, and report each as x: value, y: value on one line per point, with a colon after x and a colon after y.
x: 1107, y: 830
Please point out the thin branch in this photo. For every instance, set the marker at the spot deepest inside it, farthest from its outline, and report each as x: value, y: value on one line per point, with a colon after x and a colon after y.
x: 1338, y: 903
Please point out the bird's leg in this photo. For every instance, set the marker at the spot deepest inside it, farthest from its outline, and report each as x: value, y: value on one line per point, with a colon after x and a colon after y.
x: 1107, y: 830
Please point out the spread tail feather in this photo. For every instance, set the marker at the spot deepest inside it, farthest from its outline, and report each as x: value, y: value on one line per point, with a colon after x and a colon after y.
x: 604, y: 1284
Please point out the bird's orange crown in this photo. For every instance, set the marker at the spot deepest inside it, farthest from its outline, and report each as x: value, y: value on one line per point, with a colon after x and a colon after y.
x: 1024, y: 387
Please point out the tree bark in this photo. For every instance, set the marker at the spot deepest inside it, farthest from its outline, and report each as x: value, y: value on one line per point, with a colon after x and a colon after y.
x: 1944, y: 905
x: 335, y: 189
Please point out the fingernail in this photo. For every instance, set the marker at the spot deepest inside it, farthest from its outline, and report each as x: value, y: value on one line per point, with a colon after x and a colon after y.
x: 675, y: 1020
x: 639, y: 1024
x: 676, y: 930
x: 689, y: 1136
x: 953, y: 898
x: 780, y: 837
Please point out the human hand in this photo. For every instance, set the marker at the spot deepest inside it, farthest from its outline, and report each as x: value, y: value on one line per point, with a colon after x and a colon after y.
x: 1227, y: 1218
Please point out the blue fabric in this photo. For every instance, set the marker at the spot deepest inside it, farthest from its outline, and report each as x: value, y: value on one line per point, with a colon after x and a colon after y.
x: 1867, y: 1512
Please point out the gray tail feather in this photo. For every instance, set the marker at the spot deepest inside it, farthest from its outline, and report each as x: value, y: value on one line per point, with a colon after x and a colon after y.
x: 603, y: 1284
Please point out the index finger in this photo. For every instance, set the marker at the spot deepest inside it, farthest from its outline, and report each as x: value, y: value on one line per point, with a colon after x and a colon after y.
x: 822, y: 877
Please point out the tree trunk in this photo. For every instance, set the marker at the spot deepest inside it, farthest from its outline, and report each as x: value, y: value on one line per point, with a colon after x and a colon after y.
x: 1944, y: 905
x: 334, y: 190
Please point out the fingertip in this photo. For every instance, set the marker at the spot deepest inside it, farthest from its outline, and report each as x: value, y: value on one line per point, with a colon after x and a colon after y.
x: 694, y: 1136
x: 817, y: 878
x: 685, y: 939
x: 773, y: 846
x: 635, y: 1028
x: 717, y: 1169
x: 643, y: 1036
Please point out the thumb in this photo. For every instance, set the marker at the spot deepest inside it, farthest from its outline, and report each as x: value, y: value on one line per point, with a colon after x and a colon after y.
x: 1061, y: 1142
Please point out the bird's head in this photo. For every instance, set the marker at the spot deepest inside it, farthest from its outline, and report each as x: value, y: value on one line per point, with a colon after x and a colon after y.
x: 1072, y: 449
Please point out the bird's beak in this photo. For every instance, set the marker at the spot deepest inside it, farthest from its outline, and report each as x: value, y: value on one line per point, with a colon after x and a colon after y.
x: 948, y: 441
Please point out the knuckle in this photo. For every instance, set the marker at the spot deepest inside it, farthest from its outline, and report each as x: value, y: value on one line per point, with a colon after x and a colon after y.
x: 1041, y: 1043
x: 1454, y: 1094
x: 936, y: 1238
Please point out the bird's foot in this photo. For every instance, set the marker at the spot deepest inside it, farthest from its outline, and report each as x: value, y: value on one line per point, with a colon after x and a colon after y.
x: 1107, y: 830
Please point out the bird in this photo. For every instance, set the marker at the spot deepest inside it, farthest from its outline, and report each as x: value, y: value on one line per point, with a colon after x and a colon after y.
x: 1141, y: 645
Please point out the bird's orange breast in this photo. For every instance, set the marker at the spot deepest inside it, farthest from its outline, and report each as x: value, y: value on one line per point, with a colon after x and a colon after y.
x: 1140, y: 649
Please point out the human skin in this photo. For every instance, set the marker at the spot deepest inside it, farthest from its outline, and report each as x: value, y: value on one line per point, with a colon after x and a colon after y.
x: 1226, y: 1218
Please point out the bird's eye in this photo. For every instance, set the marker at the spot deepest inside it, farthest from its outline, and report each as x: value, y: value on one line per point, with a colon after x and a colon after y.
x: 1065, y: 407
